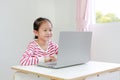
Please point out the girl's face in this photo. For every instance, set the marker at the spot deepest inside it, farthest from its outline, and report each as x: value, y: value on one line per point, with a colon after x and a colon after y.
x: 45, y: 31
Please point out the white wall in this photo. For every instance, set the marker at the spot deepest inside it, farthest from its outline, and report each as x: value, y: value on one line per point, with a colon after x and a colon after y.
x: 65, y: 13
x: 16, y: 18
x: 65, y: 17
x: 46, y: 8
x: 106, y: 42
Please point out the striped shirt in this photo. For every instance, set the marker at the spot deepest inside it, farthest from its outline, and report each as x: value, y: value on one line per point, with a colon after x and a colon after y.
x: 34, y: 53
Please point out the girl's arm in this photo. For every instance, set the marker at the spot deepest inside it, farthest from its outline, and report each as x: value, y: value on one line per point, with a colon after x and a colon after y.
x: 29, y: 58
x: 53, y: 56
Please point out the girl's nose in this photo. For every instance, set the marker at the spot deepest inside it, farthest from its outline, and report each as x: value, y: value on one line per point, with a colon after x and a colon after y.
x: 49, y: 32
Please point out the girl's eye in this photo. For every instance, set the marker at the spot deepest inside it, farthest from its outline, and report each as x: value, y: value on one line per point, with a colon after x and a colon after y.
x: 50, y: 30
x: 45, y: 30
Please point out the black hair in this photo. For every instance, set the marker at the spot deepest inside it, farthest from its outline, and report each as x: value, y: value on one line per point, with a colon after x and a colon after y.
x: 38, y: 22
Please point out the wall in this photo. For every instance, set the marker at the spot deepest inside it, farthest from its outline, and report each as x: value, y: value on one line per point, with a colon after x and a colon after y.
x: 16, y: 18
x: 65, y: 13
x: 106, y: 42
x: 46, y: 8
x: 65, y: 17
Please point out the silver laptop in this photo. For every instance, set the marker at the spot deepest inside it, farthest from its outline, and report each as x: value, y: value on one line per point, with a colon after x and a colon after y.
x: 74, y: 49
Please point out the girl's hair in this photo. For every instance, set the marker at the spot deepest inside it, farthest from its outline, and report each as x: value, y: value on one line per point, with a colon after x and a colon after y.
x: 38, y: 22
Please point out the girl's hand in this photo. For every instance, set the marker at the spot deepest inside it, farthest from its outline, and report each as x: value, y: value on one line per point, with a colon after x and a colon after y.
x: 50, y: 59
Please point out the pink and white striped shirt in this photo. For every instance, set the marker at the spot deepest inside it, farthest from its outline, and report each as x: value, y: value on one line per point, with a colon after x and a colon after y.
x: 34, y: 53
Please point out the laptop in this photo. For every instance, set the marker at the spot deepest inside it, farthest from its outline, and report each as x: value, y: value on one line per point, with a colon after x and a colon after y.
x: 74, y: 49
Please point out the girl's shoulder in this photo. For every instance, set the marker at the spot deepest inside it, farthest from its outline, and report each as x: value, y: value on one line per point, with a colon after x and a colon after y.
x: 32, y: 43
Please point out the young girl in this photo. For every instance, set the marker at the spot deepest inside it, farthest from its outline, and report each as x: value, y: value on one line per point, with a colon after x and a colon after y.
x: 42, y: 48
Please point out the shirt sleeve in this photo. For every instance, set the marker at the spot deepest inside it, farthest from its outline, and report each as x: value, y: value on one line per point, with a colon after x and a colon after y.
x: 29, y: 58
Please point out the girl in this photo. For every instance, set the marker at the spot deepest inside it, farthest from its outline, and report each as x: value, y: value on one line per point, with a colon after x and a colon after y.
x: 42, y: 48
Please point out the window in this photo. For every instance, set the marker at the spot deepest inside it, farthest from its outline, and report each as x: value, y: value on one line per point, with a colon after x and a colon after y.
x: 107, y: 11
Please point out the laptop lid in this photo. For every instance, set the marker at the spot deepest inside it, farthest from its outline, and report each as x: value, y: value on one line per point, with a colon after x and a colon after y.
x: 74, y: 48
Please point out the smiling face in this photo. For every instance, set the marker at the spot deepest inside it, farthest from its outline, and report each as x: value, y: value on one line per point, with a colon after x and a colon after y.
x: 44, y: 32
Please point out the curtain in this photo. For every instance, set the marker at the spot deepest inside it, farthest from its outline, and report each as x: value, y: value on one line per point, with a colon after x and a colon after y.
x: 83, y: 15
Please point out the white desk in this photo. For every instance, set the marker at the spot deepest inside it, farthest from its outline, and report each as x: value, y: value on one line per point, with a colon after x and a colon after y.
x: 79, y: 72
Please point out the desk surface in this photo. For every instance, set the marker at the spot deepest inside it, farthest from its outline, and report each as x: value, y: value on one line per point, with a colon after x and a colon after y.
x: 70, y: 73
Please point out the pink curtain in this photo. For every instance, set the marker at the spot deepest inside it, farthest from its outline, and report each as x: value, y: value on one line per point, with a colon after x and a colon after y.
x: 83, y: 12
